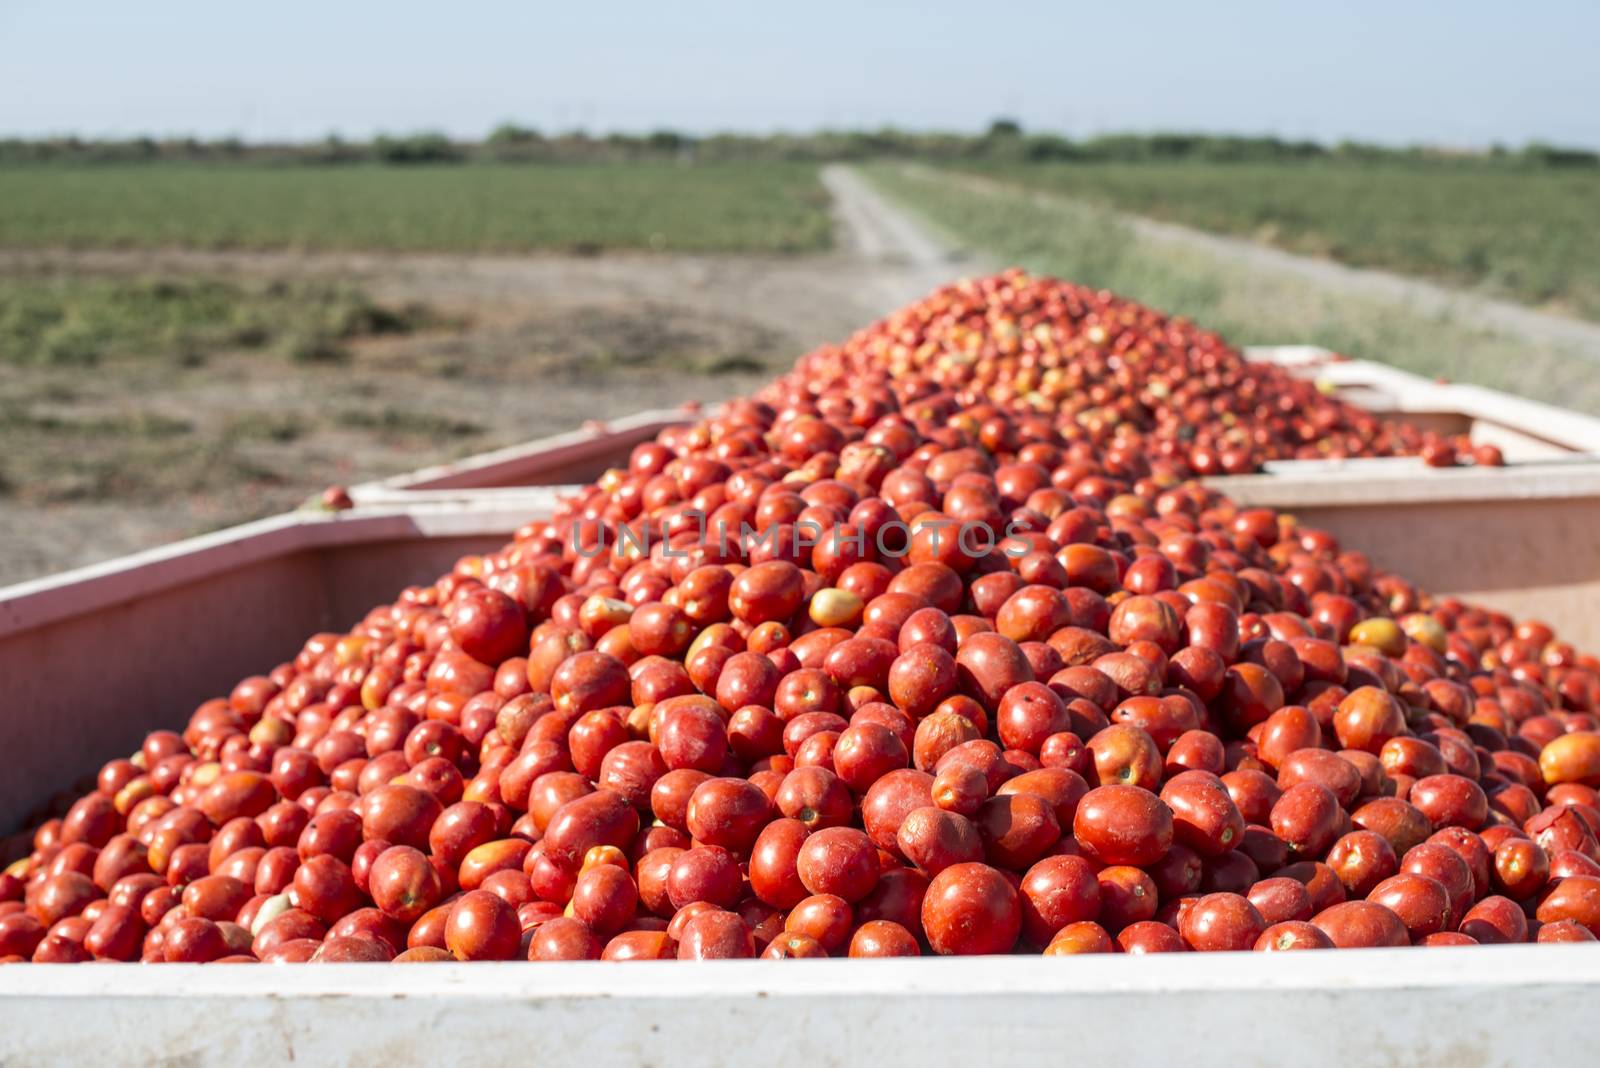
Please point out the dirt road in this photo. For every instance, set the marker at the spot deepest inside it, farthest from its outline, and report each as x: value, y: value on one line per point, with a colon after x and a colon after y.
x: 908, y: 257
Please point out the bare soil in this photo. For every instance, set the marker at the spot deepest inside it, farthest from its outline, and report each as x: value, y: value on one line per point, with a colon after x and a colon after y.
x: 127, y: 455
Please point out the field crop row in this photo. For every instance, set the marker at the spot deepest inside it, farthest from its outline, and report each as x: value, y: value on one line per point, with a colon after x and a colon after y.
x: 1525, y: 234
x: 755, y: 207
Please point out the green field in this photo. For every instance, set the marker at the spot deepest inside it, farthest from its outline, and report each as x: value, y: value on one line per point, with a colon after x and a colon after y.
x: 1522, y: 233
x: 75, y: 321
x: 1074, y: 239
x: 752, y: 207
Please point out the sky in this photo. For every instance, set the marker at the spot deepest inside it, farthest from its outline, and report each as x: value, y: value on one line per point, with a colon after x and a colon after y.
x: 1467, y: 73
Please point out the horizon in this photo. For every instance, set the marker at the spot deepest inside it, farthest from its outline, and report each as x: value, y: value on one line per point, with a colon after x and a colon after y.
x: 551, y: 133
x: 1474, y: 76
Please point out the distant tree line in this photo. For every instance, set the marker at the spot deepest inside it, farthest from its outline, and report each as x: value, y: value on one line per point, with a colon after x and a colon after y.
x: 1005, y: 140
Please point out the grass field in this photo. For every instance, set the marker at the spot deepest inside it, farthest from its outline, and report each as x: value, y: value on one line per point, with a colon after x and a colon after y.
x: 1525, y: 234
x: 72, y: 320
x: 1077, y: 240
x: 755, y: 207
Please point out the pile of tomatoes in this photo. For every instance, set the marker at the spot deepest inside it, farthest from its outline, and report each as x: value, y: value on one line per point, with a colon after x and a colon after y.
x: 1119, y: 382
x: 926, y: 649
